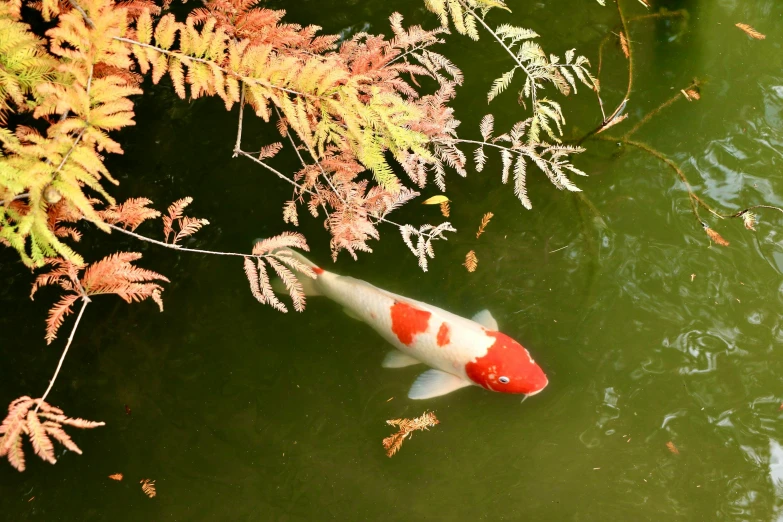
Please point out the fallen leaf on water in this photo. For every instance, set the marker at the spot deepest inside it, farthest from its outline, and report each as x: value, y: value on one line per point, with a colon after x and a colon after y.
x: 393, y: 443
x: 717, y: 238
x: 781, y: 407
x: 435, y: 200
x: 693, y: 276
x: 127, y: 410
x: 471, y: 261
x: 612, y: 123
x: 148, y: 487
x: 116, y: 476
x: 484, y: 223
x: 444, y: 209
x: 751, y: 32
x: 389, y: 399
x: 624, y: 45
x: 672, y: 448
x: 749, y: 220
x: 691, y: 94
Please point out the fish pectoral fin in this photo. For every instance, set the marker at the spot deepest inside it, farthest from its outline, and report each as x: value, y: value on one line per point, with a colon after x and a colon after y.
x: 397, y: 359
x: 485, y: 319
x: 353, y: 315
x: 434, y: 383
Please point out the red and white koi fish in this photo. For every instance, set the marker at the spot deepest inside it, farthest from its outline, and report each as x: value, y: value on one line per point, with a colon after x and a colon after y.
x: 461, y: 352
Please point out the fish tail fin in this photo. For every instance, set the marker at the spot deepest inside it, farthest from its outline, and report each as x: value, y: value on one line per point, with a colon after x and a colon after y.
x: 309, y: 285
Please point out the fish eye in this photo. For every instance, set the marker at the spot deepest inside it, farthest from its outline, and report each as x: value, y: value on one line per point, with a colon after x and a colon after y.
x: 504, y: 380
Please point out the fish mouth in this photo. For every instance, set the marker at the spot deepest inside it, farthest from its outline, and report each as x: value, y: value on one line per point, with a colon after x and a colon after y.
x: 538, y: 390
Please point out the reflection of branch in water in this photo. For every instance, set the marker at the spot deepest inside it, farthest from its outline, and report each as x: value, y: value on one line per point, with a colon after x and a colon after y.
x: 694, y: 199
x: 623, y: 28
x: 617, y: 117
x: 653, y: 113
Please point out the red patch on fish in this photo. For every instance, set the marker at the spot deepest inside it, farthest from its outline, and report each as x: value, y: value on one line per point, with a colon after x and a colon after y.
x: 443, y: 335
x: 318, y: 270
x: 507, y: 358
x: 408, y: 321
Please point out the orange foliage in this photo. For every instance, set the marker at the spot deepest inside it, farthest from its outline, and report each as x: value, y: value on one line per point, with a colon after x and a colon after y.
x: 41, y: 422
x: 393, y: 443
x: 114, y: 274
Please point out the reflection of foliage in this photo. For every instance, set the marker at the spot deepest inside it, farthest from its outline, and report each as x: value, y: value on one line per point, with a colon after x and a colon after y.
x: 41, y: 425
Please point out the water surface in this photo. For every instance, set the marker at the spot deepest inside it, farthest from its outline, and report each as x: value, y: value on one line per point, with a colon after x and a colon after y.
x: 649, y: 333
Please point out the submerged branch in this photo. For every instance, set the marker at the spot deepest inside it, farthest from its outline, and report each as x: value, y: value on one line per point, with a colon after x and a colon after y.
x: 653, y: 113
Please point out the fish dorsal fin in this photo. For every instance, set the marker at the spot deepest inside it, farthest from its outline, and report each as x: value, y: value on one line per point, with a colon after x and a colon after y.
x: 485, y: 319
x: 434, y: 383
x: 397, y: 359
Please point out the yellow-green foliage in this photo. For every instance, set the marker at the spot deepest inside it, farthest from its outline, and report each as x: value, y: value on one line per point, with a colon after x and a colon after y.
x: 24, y: 62
x: 463, y: 13
x: 66, y: 160
x: 80, y: 86
x: 319, y: 97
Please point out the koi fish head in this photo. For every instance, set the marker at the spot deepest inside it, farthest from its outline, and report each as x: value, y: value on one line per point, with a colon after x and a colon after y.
x: 507, y: 368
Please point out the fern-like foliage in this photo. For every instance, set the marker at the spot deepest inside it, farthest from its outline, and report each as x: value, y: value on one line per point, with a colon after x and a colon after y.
x: 393, y: 443
x: 424, y: 235
x: 552, y: 160
x: 114, y: 274
x: 85, y: 101
x: 42, y: 423
x: 129, y: 214
x: 537, y: 138
x: 463, y: 13
x: 177, y: 226
x: 540, y: 70
x: 24, y: 62
x: 241, y: 20
x: 323, y: 97
x: 275, y: 252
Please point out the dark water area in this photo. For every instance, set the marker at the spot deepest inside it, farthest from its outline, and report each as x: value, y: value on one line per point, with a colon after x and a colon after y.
x: 650, y: 334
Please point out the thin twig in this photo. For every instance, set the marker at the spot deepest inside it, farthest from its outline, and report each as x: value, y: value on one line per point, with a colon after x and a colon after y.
x: 630, y: 50
x: 276, y: 172
x: 301, y: 160
x: 24, y: 195
x: 86, y: 19
x: 178, y: 247
x: 504, y: 46
x: 85, y: 302
x: 237, y: 145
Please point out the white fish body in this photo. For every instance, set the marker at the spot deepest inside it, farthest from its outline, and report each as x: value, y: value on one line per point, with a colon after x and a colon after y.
x: 462, y: 352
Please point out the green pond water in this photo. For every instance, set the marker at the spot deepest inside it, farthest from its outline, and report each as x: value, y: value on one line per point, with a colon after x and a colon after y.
x: 649, y: 333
